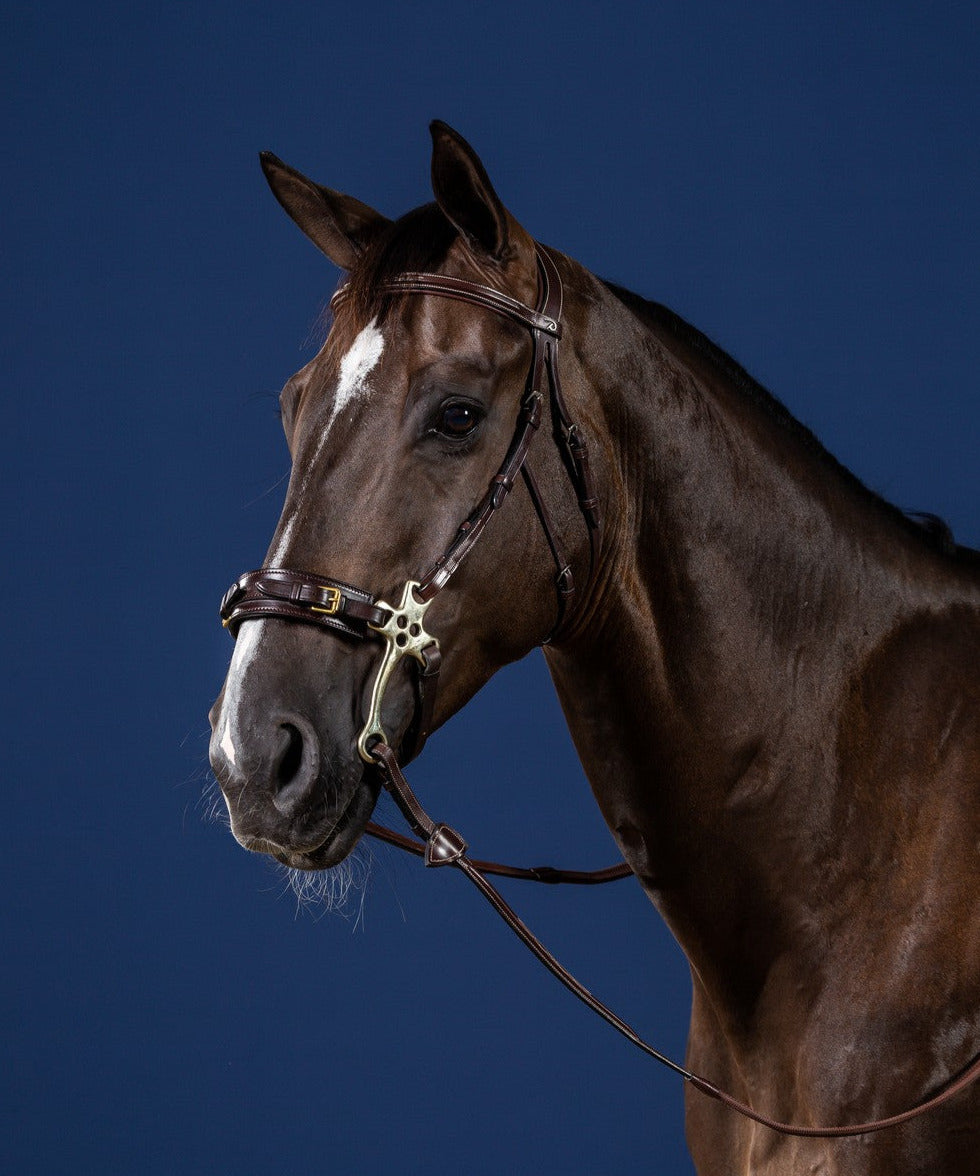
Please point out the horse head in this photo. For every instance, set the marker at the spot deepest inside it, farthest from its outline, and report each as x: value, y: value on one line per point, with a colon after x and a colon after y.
x: 406, y: 432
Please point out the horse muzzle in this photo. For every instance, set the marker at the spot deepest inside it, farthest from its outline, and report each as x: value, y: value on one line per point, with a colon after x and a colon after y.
x: 284, y: 796
x: 284, y: 742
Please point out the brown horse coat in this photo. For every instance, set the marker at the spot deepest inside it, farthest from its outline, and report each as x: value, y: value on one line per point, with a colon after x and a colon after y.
x: 772, y: 677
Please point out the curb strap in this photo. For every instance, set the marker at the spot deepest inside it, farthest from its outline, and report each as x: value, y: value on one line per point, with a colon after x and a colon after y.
x: 426, y: 688
x: 445, y: 847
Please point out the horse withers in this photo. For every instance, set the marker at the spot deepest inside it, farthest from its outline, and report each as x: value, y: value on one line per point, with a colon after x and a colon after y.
x: 772, y: 676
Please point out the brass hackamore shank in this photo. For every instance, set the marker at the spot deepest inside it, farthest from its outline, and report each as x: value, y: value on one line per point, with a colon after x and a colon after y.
x: 404, y: 636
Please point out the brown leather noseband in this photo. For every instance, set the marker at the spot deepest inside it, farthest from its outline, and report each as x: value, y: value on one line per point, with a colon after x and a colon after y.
x: 354, y: 612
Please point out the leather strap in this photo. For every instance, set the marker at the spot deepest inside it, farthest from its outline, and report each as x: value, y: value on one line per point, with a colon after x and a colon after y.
x: 471, y: 292
x: 569, y: 433
x: 426, y: 687
x: 528, y: 422
x: 550, y: 875
x: 444, y: 846
x: 301, y: 596
x: 966, y: 1078
x: 545, y: 326
x: 564, y: 581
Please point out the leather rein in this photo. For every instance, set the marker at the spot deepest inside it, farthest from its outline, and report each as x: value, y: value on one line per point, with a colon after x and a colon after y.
x: 354, y: 612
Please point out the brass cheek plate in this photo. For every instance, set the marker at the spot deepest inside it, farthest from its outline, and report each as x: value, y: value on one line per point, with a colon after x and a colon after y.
x: 405, y: 636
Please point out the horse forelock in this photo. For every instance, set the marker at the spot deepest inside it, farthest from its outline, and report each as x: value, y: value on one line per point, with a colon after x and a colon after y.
x: 417, y: 242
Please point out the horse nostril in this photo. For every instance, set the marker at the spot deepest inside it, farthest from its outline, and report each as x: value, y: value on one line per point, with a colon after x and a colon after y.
x: 291, y: 759
x: 295, y: 770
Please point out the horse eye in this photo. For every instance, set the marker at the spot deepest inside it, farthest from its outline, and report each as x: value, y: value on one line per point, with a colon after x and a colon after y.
x: 458, y: 419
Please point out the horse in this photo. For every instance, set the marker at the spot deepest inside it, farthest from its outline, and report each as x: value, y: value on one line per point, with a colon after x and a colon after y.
x: 770, y: 674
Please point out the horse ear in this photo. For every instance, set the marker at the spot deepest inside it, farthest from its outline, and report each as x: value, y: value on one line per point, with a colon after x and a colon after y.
x: 464, y: 193
x: 338, y: 225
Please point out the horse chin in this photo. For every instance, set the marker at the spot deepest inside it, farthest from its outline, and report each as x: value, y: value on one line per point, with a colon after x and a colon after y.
x: 336, y: 843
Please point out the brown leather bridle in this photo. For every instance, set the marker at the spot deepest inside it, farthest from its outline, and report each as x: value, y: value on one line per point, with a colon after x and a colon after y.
x: 346, y: 609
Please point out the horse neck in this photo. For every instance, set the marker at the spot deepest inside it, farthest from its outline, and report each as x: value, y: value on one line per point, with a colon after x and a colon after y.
x: 744, y: 579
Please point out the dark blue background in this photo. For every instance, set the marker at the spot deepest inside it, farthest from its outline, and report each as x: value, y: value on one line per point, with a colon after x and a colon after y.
x: 800, y: 181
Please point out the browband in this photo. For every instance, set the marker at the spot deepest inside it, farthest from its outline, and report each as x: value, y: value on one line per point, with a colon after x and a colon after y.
x: 473, y: 292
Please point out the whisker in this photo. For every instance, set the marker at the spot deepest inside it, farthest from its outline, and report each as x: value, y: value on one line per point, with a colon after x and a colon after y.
x: 283, y: 477
x: 214, y: 811
x: 341, y: 890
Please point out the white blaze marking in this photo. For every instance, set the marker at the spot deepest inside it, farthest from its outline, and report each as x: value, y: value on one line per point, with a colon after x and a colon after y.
x: 227, y: 746
x: 246, y: 647
x: 355, y: 367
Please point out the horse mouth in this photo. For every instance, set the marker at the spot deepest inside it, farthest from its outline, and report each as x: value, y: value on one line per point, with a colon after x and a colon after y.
x: 328, y: 849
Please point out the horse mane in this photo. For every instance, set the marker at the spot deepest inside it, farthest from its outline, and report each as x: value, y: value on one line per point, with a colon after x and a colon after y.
x: 420, y: 240
x: 934, y: 531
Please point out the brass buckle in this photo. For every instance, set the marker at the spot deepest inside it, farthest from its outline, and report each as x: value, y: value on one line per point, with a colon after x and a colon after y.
x: 333, y: 602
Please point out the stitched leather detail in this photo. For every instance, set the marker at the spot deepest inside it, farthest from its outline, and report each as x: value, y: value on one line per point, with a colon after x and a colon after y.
x: 486, y: 296
x: 444, y: 847
x: 301, y: 596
